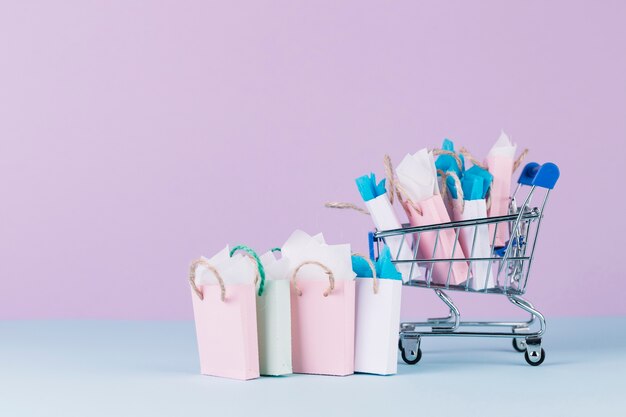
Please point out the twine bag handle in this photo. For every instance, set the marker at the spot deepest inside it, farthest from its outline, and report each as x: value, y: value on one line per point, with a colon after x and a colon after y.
x: 457, y: 183
x: 457, y: 158
x: 252, y: 255
x: 391, y: 190
x: 473, y: 160
x: 395, y: 186
x: 520, y: 159
x: 207, y: 265
x: 340, y: 205
x: 467, y: 154
x: 327, y: 271
x: 375, y: 283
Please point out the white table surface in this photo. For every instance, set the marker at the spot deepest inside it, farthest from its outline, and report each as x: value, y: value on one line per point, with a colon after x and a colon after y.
x: 143, y: 368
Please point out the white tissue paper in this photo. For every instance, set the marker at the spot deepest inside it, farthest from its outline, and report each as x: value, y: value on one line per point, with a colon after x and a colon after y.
x: 418, y: 176
x: 302, y: 247
x: 238, y: 269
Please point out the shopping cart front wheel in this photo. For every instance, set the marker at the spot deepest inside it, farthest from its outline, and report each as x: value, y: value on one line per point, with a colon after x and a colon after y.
x: 535, y: 358
x: 410, y: 350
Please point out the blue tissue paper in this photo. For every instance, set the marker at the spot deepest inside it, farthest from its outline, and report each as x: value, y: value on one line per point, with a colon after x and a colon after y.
x: 385, y: 269
x: 448, y: 162
x: 476, y: 182
x: 368, y: 188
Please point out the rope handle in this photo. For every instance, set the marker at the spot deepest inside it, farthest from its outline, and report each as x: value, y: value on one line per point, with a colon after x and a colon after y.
x: 467, y: 154
x: 250, y: 253
x: 192, y: 278
x: 445, y: 190
x: 375, y: 283
x: 327, y: 271
x: 339, y: 205
x: 516, y: 163
x: 391, y: 190
x: 395, y: 186
x: 457, y: 158
x: 520, y: 159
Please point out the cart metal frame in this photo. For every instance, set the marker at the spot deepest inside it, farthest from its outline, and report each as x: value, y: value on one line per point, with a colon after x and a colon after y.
x: 510, y: 265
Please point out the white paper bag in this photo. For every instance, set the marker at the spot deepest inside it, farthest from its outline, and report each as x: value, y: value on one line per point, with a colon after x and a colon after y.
x: 377, y: 325
x: 384, y: 218
x: 481, y: 277
x: 274, y: 318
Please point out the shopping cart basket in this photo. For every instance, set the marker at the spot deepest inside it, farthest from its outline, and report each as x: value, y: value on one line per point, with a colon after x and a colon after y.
x: 510, y: 266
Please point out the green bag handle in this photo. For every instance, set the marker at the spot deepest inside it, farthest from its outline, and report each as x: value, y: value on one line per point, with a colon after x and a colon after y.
x: 252, y: 255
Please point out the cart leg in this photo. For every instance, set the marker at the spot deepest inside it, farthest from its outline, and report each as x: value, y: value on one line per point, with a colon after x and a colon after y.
x: 535, y: 354
x: 526, y: 306
x: 446, y: 325
x: 519, y: 343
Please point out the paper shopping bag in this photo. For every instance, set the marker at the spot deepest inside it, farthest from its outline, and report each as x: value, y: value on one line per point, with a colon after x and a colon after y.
x: 274, y: 318
x: 433, y: 211
x: 377, y: 321
x: 476, y: 243
x: 500, y: 162
x: 322, y: 322
x: 226, y: 325
x: 424, y: 206
x: 385, y: 218
x: 467, y: 198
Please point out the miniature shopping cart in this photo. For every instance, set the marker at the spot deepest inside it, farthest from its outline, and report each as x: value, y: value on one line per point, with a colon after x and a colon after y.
x: 509, y: 264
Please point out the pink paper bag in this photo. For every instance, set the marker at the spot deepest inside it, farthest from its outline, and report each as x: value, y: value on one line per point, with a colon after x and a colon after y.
x: 322, y: 324
x: 226, y: 326
x: 500, y: 162
x: 433, y: 211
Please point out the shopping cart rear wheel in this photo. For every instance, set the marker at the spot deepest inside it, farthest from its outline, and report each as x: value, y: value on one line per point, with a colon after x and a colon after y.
x: 535, y: 361
x: 519, y: 344
x: 414, y: 360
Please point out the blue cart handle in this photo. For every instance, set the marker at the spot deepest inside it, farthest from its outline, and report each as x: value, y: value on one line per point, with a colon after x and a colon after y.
x: 544, y: 176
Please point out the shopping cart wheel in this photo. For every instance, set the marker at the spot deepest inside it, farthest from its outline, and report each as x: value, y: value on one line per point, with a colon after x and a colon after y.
x: 413, y: 358
x: 534, y: 358
x: 519, y: 344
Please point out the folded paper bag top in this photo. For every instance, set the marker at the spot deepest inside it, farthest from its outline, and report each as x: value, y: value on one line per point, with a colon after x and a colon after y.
x: 503, y: 147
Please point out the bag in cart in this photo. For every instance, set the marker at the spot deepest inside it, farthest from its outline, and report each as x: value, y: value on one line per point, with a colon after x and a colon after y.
x: 424, y: 205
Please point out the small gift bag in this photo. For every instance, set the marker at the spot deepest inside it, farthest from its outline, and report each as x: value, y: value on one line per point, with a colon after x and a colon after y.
x: 377, y: 314
x: 448, y: 161
x: 322, y: 306
x: 469, y: 203
x: 224, y: 307
x: 424, y: 206
x: 385, y: 218
x: 273, y: 311
x: 501, y: 164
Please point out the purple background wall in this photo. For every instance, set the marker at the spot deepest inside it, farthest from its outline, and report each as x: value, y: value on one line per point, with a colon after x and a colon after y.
x: 135, y: 136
